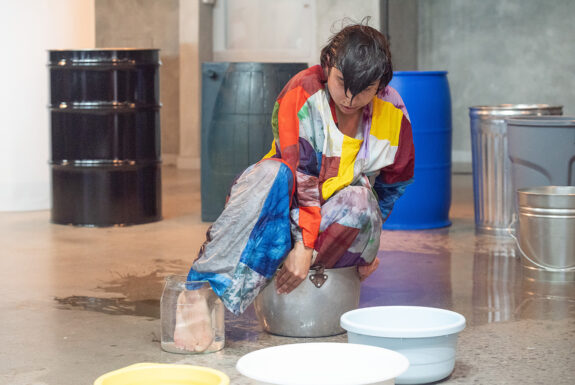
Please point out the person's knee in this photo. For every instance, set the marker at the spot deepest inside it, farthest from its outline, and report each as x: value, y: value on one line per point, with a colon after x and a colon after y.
x: 268, y: 165
x: 359, y: 196
x: 365, y: 206
x: 264, y: 174
x: 259, y: 171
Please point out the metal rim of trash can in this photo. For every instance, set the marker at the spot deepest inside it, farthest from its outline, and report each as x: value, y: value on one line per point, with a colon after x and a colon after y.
x: 543, y: 121
x: 512, y: 110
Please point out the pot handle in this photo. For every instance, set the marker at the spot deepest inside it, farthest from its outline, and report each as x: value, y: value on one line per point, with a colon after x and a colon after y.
x: 318, y: 278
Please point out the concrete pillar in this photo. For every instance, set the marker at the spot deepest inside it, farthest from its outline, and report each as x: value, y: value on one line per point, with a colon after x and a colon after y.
x: 195, y: 48
x: 149, y: 24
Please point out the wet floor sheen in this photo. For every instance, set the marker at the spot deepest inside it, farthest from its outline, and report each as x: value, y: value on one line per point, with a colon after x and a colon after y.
x: 86, y: 300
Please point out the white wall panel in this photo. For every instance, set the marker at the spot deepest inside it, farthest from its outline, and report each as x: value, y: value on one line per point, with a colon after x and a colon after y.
x: 28, y: 28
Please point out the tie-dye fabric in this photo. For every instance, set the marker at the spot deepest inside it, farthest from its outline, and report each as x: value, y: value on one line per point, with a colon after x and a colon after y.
x: 316, y: 185
x: 247, y: 243
x: 250, y: 239
x: 325, y: 161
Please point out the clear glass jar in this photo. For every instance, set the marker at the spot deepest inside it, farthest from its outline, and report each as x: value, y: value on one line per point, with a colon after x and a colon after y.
x: 192, y: 317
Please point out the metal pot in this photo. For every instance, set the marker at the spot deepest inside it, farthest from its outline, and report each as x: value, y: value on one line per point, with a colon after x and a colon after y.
x: 314, y: 308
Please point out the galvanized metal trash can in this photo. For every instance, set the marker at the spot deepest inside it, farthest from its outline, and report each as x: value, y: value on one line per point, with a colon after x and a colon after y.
x: 105, y: 136
x: 237, y: 104
x: 492, y: 187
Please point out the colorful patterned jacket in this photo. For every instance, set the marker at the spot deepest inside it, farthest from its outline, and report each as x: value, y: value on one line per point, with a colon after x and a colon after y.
x: 306, y: 137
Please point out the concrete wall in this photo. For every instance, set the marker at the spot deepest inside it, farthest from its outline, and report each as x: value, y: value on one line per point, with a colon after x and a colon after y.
x: 331, y: 13
x: 400, y: 23
x: 496, y: 51
x: 148, y: 24
x: 499, y: 51
x: 182, y: 29
x: 196, y: 46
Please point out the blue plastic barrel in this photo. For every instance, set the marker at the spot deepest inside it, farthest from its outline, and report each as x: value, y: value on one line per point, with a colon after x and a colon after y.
x: 426, y: 202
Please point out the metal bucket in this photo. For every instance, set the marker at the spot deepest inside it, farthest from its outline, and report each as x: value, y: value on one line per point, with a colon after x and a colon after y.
x: 546, y: 235
x: 492, y: 187
x: 314, y: 308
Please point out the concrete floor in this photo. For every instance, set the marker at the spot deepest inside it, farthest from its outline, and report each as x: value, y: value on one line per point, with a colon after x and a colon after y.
x: 79, y: 302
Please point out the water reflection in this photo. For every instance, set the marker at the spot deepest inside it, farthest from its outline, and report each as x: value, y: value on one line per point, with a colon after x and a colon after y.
x: 244, y: 327
x: 546, y: 295
x: 496, y: 274
x: 111, y: 306
x: 410, y: 278
x: 506, y: 289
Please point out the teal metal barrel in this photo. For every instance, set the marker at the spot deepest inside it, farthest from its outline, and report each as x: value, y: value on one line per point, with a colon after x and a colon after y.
x: 237, y: 104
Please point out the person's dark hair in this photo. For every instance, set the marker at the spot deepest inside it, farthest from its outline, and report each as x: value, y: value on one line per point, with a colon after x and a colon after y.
x: 362, y: 55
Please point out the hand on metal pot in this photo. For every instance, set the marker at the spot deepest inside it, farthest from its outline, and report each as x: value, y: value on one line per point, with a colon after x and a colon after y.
x: 295, y: 268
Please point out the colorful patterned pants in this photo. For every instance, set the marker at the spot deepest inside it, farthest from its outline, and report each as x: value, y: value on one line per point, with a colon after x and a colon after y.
x: 250, y: 239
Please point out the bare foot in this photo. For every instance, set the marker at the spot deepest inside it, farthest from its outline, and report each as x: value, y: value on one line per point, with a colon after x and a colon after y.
x: 193, y: 322
x: 366, y: 270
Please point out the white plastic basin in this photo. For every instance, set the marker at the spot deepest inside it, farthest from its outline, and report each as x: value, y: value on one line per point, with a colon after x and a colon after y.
x: 426, y: 336
x: 322, y: 363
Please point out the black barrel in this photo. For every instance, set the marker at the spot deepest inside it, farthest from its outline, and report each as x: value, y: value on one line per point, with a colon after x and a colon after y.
x: 237, y: 104
x: 105, y: 136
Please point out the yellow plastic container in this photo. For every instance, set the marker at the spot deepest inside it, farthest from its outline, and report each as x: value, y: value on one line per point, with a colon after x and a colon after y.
x: 163, y: 374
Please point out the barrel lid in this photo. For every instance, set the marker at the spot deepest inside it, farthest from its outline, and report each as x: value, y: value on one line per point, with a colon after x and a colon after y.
x: 506, y: 110
x: 107, y: 49
x: 543, y: 121
x: 63, y: 59
x: 419, y: 73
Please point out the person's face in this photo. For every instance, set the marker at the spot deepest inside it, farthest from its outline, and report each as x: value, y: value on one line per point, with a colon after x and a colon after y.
x: 342, y: 100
